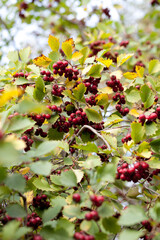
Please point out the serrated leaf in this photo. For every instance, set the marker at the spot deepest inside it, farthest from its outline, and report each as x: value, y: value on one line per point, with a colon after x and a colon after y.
x: 131, y: 234
x: 42, y: 185
x: 95, y: 70
x: 79, y: 92
x: 24, y: 54
x: 154, y: 66
x: 54, y: 56
x: 41, y: 168
x: 93, y: 115
x: 16, y: 182
x: 131, y: 215
x: 106, y: 210
x: 84, y: 51
x: 110, y: 224
x: 34, y: 69
x: 102, y: 99
x: 76, y: 56
x: 90, y: 147
x: 130, y: 75
x: 155, y: 145
x: 107, y: 62
x: 122, y: 58
x: 91, y: 162
x: 154, y: 163
x: 42, y: 61
x: 107, y: 173
x: 20, y: 123
x: 72, y: 211
x: 113, y: 119
x: 67, y: 49
x: 133, y: 96
x: 15, y: 210
x: 54, y: 134
x: 13, y: 56
x: 53, y: 42
x: 39, y: 90
x: 68, y: 179
x: 137, y: 132
x: 150, y: 128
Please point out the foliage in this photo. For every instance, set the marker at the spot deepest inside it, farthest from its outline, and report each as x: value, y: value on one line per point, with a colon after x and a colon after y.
x: 79, y: 134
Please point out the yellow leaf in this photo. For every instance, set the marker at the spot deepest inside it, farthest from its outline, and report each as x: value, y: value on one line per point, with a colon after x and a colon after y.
x: 122, y: 58
x: 134, y: 112
x: 106, y: 90
x: 42, y: 61
x: 140, y: 71
x: 24, y: 171
x: 67, y: 49
x: 76, y: 56
x: 130, y: 75
x: 102, y: 99
x: 107, y: 62
x: 9, y: 94
x: 71, y: 42
x: 29, y: 198
x: 53, y: 42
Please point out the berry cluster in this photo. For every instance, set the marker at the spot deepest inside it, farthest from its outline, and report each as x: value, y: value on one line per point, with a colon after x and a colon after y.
x: 29, y: 131
x: 135, y: 173
x: 122, y: 111
x: 119, y: 97
x: 39, y: 131
x: 106, y: 11
x: 93, y: 215
x: 124, y: 43
x: 61, y: 125
x: 28, y: 142
x: 47, y: 76
x: 54, y: 108
x: 69, y: 108
x: 76, y: 197
x: 91, y: 84
x: 92, y: 100
x: 21, y: 74
x: 39, y: 119
x: 6, y: 219
x: 60, y: 68
x: 78, y: 118
x: 57, y: 91
x: 34, y: 220
x: 96, y: 47
x: 83, y: 236
x: 151, y: 118
x: 40, y: 201
x: 97, y: 200
x: 115, y: 84
x: 147, y: 225
x: 126, y: 138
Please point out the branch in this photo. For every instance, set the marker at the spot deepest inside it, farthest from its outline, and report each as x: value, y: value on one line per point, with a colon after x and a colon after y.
x: 25, y: 206
x: 95, y: 132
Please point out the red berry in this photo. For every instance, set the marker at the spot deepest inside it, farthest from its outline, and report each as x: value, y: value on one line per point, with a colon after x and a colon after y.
x: 76, y: 197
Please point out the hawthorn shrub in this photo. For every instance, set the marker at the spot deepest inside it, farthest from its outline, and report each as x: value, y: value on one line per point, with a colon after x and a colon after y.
x: 80, y: 141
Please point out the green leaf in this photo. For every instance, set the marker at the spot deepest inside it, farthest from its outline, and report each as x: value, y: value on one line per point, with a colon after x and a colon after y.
x: 54, y: 56
x: 137, y: 132
x: 69, y: 179
x: 53, y: 134
x: 91, y: 162
x: 154, y: 66
x: 89, y: 226
x: 34, y: 69
x: 42, y: 185
x: 154, y: 163
x: 22, y: 231
x: 131, y: 234
x: 110, y: 224
x: 95, y: 70
x: 150, y: 128
x: 9, y: 230
x: 133, y: 96
x: 131, y: 215
x: 15, y: 210
x: 79, y: 92
x: 93, y: 115
x: 105, y: 210
x: 41, y: 168
x: 102, y: 99
x: 13, y: 56
x: 39, y: 90
x: 24, y: 54
x: 107, y: 172
x: 145, y: 92
x: 9, y: 156
x: 90, y: 147
x: 155, y: 145
x: 3, y: 174
x: 154, y: 212
x: 113, y: 119
x: 51, y: 213
x: 16, y: 182
x: 20, y: 123
x: 85, y: 52
x: 53, y: 42
x: 67, y: 225
x: 73, y: 211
